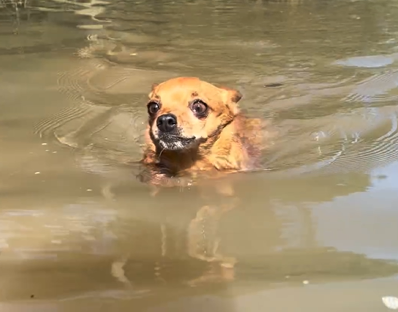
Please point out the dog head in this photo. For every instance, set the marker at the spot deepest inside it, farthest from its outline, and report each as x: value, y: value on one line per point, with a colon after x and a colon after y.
x: 185, y: 112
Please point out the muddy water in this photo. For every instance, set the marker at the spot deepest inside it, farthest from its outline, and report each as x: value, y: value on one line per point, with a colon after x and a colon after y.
x: 316, y: 230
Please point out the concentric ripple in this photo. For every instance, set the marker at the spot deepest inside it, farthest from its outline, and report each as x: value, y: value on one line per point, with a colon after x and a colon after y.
x: 357, y: 141
x: 106, y: 115
x: 378, y: 147
x: 377, y: 88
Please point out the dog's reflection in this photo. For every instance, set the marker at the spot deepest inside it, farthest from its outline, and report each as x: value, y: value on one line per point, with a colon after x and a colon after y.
x: 203, y: 242
x: 177, y: 241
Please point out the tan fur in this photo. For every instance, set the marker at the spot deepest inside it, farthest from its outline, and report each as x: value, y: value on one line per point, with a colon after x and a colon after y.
x: 230, y: 141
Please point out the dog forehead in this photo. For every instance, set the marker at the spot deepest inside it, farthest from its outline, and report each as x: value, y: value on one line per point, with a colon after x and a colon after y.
x: 185, y: 87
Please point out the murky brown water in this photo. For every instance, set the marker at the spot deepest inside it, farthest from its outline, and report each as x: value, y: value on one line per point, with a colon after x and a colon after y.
x: 316, y: 231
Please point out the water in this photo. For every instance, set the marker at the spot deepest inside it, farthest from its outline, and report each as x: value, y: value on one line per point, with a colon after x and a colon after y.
x: 314, y: 231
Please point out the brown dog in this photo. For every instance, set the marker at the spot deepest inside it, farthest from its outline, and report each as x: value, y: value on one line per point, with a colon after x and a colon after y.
x: 195, y: 127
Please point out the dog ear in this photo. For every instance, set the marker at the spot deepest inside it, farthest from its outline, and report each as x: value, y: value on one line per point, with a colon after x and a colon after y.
x: 150, y: 94
x: 232, y: 97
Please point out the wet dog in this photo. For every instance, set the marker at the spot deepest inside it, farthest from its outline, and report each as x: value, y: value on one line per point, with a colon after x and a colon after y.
x: 197, y: 128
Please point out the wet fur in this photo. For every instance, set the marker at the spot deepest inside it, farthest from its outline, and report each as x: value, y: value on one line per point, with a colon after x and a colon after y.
x: 230, y: 141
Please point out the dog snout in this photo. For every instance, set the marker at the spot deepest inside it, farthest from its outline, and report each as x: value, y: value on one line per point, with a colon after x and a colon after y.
x: 167, y: 122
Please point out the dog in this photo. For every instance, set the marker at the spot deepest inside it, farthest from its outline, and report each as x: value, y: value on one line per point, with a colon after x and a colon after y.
x: 196, y: 128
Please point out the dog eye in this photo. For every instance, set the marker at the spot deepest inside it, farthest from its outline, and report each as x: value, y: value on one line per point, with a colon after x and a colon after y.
x: 153, y: 108
x: 199, y: 108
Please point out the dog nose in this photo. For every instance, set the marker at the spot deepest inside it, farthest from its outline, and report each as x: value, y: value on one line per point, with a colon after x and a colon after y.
x: 167, y: 122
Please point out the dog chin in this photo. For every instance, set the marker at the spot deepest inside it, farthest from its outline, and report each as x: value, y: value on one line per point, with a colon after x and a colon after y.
x: 176, y: 143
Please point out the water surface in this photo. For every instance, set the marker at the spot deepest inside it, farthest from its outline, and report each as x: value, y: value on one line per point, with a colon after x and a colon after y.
x: 315, y: 230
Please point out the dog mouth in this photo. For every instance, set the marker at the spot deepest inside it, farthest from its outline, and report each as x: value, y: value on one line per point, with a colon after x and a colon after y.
x: 175, y: 142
